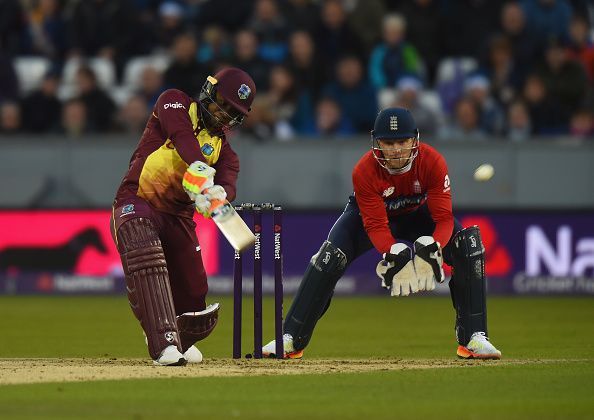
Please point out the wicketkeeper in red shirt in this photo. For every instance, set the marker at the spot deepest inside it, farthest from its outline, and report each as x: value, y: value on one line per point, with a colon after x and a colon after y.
x: 402, y: 195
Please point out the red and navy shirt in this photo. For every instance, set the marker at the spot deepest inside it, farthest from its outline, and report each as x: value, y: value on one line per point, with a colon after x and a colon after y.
x: 381, y: 195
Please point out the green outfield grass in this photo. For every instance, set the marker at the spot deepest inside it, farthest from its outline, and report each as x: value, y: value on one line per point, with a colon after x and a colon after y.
x: 549, y: 340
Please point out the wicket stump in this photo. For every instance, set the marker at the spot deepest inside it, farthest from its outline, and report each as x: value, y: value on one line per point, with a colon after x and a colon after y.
x: 257, y: 210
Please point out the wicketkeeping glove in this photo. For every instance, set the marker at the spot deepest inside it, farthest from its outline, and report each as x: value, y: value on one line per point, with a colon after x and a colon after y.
x: 198, y: 177
x: 397, y: 272
x: 428, y: 262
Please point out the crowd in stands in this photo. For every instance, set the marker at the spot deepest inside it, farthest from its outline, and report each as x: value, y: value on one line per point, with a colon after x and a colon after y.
x: 467, y: 69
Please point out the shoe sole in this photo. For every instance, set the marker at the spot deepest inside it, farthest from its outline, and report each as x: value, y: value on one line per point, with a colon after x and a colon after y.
x: 292, y: 355
x: 180, y: 362
x: 464, y: 353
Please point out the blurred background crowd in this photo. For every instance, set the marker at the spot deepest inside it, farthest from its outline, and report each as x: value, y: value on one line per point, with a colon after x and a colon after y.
x: 467, y: 69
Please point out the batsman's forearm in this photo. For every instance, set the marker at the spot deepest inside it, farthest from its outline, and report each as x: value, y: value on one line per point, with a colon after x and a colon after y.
x: 227, y: 178
x: 227, y: 171
x: 230, y: 190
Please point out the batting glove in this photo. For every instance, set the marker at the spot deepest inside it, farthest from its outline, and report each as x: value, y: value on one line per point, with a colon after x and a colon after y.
x: 397, y: 272
x: 204, y: 202
x: 216, y: 192
x: 202, y: 205
x: 198, y: 177
x: 428, y: 262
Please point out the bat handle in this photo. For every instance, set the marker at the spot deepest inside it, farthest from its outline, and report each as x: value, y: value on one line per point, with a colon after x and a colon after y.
x: 215, y: 204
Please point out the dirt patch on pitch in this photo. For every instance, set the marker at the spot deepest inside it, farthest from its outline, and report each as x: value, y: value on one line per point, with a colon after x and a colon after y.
x: 26, y: 371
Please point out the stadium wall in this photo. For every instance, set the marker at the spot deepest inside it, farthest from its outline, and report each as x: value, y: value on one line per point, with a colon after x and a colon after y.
x: 302, y: 174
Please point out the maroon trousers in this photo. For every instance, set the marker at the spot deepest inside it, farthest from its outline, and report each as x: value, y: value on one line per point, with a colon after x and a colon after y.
x: 180, y: 245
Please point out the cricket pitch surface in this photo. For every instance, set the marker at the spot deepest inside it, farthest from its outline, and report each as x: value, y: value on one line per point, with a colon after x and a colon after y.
x: 27, y: 371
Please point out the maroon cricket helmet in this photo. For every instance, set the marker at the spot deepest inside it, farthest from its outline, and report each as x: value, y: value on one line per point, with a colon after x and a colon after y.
x: 236, y: 87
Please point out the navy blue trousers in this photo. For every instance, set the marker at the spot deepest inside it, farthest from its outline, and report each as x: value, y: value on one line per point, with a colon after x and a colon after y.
x: 349, y: 235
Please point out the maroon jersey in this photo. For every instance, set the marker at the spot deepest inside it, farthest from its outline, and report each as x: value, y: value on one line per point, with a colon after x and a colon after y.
x: 381, y: 195
x: 174, y: 138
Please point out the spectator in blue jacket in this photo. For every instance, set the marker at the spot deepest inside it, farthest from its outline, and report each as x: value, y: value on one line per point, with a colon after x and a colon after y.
x: 546, y: 19
x: 353, y: 93
x: 330, y: 120
x: 394, y: 57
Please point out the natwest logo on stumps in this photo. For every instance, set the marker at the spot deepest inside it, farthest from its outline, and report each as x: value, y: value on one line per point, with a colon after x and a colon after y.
x: 174, y: 105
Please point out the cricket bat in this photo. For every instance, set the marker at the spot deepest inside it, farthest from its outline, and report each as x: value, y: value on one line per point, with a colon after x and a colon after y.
x: 231, y: 225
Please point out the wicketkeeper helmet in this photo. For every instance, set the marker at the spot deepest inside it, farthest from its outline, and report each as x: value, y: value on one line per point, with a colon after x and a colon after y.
x: 394, y: 124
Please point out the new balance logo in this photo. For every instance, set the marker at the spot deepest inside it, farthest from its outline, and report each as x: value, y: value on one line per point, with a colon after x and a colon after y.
x: 388, y: 192
x: 175, y: 105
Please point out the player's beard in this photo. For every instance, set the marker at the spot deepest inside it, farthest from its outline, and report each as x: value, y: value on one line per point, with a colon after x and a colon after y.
x: 213, y: 125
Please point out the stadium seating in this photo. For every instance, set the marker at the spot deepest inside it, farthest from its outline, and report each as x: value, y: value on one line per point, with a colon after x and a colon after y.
x: 30, y: 72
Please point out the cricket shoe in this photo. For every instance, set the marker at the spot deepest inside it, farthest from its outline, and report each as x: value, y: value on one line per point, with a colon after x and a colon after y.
x: 478, y: 347
x: 193, y: 355
x: 269, y: 350
x: 170, y: 356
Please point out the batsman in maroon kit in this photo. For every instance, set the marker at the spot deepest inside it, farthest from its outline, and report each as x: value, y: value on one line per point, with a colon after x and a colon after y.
x: 152, y: 220
x: 402, y: 196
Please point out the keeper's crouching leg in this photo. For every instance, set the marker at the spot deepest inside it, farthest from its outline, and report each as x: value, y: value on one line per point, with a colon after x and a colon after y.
x: 468, y: 284
x: 147, y: 283
x: 314, y: 294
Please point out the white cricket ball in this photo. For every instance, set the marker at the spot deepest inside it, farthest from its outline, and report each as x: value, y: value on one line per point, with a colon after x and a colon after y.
x: 484, y: 172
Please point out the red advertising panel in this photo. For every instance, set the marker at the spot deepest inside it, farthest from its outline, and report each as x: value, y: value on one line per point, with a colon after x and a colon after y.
x: 77, y: 242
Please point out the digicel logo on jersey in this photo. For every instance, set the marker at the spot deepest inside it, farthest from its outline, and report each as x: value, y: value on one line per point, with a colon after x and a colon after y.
x: 174, y: 105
